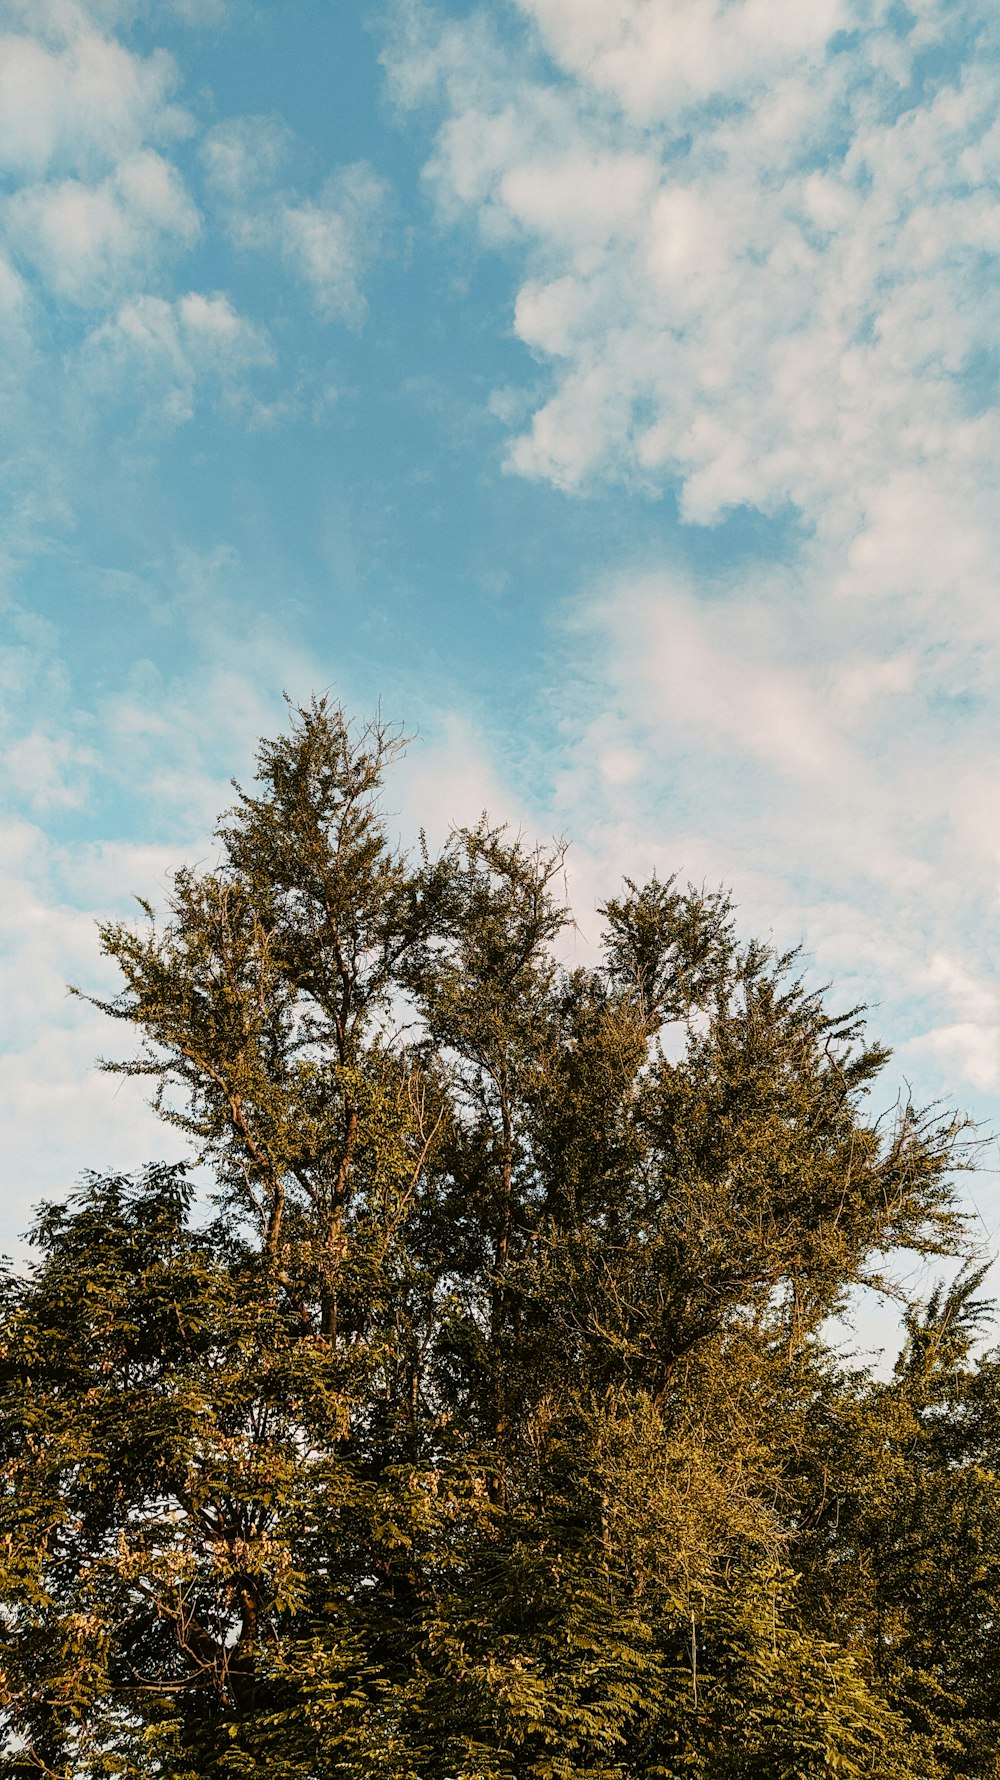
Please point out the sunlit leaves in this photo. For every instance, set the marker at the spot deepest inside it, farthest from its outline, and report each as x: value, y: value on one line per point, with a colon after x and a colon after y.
x: 481, y: 1422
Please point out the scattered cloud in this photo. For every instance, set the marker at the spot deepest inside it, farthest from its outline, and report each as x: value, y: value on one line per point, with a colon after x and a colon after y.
x: 89, y: 242
x: 329, y: 242
x: 754, y: 248
x: 448, y: 779
x: 50, y: 771
x: 717, y: 671
x: 965, y: 1049
x: 94, y: 206
x: 48, y: 1081
x: 737, y: 739
x: 654, y: 58
x: 165, y: 351
x: 81, y: 103
x: 754, y: 255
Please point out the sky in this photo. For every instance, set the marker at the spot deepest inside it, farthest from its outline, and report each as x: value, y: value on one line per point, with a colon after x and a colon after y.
x: 607, y: 393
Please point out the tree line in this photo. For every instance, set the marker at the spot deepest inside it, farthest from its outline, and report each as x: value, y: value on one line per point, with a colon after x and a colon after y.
x: 485, y: 1421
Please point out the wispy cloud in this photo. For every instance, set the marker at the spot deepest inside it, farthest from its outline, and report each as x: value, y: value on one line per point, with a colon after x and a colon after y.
x: 163, y: 747
x: 64, y: 20
x: 166, y: 351
x: 329, y: 241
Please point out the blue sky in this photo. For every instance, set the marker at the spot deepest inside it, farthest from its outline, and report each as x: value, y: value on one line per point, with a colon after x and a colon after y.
x: 611, y: 392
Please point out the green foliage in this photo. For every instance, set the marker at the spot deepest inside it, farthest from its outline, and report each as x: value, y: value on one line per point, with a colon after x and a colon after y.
x: 487, y: 1428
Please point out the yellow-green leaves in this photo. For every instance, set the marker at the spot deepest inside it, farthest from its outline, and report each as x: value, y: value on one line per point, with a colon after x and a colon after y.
x: 480, y: 1422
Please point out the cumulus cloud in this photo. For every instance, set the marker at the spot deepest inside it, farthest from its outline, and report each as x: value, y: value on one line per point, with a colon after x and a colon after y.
x: 652, y: 57
x: 80, y: 105
x: 329, y: 242
x: 94, y: 203
x: 15, y: 332
x: 447, y: 781
x: 48, y: 1080
x: 98, y: 220
x: 722, y: 673
x: 50, y: 771
x: 754, y: 246
x: 87, y: 242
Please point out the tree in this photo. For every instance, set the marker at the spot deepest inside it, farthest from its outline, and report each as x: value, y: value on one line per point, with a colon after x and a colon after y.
x: 488, y: 1427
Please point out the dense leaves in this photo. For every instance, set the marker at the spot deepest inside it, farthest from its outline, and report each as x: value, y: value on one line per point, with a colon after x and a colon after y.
x: 486, y: 1425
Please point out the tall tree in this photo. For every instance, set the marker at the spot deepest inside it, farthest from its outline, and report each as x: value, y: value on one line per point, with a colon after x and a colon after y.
x: 488, y: 1427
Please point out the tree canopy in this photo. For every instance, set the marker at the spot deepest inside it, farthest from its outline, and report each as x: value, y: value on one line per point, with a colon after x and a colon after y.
x: 487, y: 1423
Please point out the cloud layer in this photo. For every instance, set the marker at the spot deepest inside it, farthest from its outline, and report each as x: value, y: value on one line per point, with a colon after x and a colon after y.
x: 756, y: 251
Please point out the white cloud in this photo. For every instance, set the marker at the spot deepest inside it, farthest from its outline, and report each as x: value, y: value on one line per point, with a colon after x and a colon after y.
x: 657, y: 55
x: 65, y: 21
x: 754, y: 247
x: 48, y: 1080
x: 16, y: 345
x: 14, y: 298
x: 329, y: 242
x: 448, y: 780
x: 716, y: 670
x: 754, y: 267
x: 163, y: 351
x: 94, y: 205
x: 244, y: 158
x: 88, y: 242
x: 967, y: 1049
x: 50, y: 771
x: 82, y: 105
x: 833, y: 788
x: 96, y: 217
